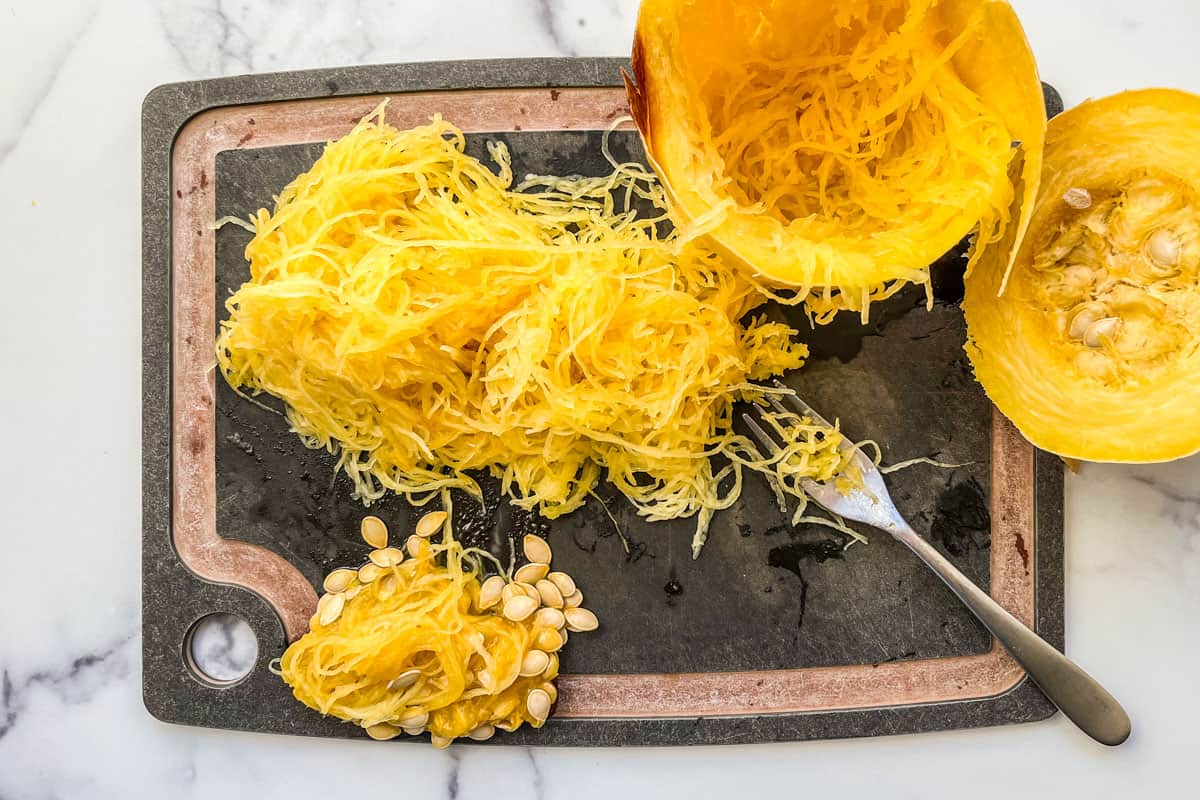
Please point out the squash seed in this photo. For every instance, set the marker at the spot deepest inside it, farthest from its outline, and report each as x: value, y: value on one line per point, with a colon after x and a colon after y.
x: 329, y: 607
x: 429, y: 524
x: 509, y: 591
x: 490, y: 592
x: 536, y: 549
x: 1078, y: 198
x: 537, y: 702
x: 550, y: 618
x: 529, y: 591
x: 531, y: 573
x: 382, y: 732
x: 550, y: 689
x: 580, y: 620
x: 440, y: 742
x: 415, y: 546
x: 387, y: 586
x: 1084, y: 317
x: 573, y: 600
x: 338, y: 580
x: 563, y: 581
x: 368, y: 573
x: 482, y: 733
x: 374, y: 531
x: 387, y: 557
x: 549, y: 593
x: 535, y: 662
x: 1163, y: 248
x: 352, y: 592
x: 414, y: 731
x: 403, y: 681
x: 519, y: 608
x: 417, y: 721
x: 550, y: 640
x: 1100, y: 331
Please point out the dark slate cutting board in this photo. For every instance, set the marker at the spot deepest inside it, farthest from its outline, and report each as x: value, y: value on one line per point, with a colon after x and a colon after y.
x: 762, y: 597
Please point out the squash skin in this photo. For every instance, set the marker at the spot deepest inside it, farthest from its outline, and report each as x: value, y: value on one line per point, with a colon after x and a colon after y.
x: 1137, y: 409
x: 995, y: 62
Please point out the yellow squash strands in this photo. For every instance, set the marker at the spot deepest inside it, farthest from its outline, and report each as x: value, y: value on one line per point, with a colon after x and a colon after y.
x: 414, y: 646
x: 421, y: 317
x: 838, y: 148
x: 807, y: 450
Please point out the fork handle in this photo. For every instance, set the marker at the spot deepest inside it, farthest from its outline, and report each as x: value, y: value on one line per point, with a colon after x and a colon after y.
x: 1077, y: 694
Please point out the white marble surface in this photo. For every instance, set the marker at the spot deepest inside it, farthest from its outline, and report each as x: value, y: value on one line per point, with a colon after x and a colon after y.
x: 71, y: 719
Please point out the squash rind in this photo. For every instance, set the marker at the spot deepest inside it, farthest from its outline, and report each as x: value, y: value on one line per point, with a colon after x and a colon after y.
x: 994, y: 61
x: 1016, y: 344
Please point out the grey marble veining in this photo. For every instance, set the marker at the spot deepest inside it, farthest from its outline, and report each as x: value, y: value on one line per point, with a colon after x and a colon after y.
x: 71, y: 719
x: 223, y: 647
x: 74, y: 681
x: 29, y: 93
x: 222, y: 37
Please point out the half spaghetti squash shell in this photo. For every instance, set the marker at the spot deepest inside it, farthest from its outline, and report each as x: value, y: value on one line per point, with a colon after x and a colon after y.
x: 843, y: 144
x: 1093, y: 348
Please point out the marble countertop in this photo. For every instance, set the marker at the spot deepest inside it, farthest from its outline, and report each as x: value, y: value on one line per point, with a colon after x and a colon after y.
x: 72, y: 722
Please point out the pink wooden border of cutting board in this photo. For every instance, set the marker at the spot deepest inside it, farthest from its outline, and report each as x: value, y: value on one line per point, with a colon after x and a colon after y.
x: 208, y: 555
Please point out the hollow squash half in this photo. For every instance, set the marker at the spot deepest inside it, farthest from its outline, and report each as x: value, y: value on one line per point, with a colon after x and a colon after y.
x: 838, y: 144
x: 1093, y: 348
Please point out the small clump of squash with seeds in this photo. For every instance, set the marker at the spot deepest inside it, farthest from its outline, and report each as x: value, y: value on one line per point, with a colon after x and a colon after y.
x: 417, y: 641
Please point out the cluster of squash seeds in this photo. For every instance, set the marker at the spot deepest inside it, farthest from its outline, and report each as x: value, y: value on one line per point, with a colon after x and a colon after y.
x: 547, y: 600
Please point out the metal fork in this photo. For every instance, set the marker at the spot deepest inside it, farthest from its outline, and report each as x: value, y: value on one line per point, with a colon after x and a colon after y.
x: 1077, y: 694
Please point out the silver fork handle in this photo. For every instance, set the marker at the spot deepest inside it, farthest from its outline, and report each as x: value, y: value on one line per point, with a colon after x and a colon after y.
x: 1077, y: 694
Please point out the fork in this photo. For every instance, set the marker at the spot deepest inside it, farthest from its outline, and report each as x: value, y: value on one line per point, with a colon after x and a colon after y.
x: 1084, y: 701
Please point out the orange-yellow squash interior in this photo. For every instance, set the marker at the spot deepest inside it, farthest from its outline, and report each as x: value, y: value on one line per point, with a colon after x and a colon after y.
x: 839, y: 144
x: 1093, y: 348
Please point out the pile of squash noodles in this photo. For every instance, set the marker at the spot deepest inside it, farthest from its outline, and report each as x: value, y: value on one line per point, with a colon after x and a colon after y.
x: 422, y: 317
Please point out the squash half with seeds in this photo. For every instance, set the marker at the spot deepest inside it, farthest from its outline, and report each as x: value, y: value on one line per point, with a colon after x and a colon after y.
x: 839, y: 145
x: 1093, y: 347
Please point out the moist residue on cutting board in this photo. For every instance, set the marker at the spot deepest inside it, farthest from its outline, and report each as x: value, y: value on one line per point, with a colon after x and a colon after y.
x: 806, y: 546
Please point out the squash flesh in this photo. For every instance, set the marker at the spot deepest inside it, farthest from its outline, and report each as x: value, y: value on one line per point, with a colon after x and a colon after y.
x: 837, y: 146
x: 1092, y: 348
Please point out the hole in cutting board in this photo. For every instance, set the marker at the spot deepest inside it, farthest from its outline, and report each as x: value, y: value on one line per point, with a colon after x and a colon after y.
x: 220, y: 649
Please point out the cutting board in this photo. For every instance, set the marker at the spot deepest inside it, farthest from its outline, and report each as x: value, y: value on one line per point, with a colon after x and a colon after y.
x: 774, y: 633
